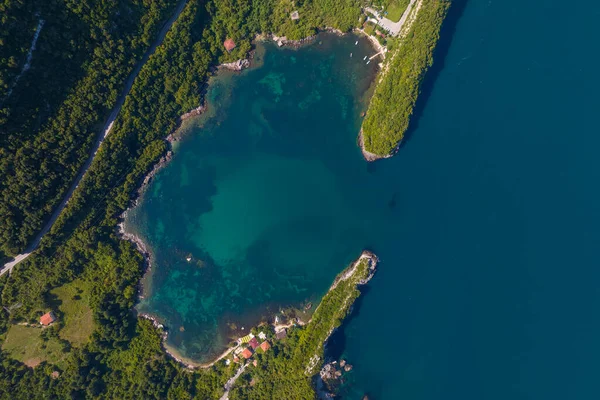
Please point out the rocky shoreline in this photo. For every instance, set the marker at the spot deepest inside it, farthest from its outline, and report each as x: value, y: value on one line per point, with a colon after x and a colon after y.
x: 164, y: 335
x: 367, y: 155
x: 328, y: 378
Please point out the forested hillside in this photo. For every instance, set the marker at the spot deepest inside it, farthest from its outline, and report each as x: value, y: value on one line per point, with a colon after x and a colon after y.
x: 18, y: 22
x: 83, y: 55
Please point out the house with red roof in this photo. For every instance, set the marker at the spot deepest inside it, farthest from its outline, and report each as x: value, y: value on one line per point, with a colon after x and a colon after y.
x: 47, y: 318
x: 229, y: 44
x: 265, y: 346
x: 247, y: 353
x: 254, y: 343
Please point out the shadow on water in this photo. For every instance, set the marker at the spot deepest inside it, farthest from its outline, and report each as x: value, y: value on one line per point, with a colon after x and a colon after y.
x: 337, y: 342
x: 439, y: 59
x: 336, y: 345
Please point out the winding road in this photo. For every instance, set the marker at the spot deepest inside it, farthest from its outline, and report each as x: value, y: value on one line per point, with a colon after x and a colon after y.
x: 101, y: 136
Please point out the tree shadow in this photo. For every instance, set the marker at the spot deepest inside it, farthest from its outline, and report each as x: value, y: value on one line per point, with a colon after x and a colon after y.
x: 439, y: 56
x: 336, y: 344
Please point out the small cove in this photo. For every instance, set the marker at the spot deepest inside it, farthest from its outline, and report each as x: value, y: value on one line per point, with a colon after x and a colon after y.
x: 261, y: 194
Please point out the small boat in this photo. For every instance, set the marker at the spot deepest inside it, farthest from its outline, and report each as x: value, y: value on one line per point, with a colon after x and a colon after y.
x: 368, y: 62
x: 350, y: 54
x: 356, y: 43
x: 365, y: 58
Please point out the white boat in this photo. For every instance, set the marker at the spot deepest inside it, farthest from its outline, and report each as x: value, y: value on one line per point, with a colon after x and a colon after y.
x: 356, y: 43
x: 368, y: 62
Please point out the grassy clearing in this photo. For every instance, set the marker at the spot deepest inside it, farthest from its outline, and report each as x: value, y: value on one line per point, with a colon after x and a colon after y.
x: 25, y: 343
x: 369, y: 28
x: 74, y: 313
x: 395, y: 9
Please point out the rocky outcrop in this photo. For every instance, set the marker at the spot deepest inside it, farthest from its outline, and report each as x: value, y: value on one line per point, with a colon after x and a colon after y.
x: 284, y: 41
x: 367, y: 155
x: 330, y: 377
x: 238, y: 65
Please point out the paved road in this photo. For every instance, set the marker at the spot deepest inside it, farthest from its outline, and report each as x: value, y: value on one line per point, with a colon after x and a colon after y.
x: 101, y: 136
x: 393, y: 27
x: 231, y: 381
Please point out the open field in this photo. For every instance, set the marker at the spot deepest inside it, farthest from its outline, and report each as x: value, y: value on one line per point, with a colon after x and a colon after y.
x: 75, y: 313
x: 24, y: 343
x: 395, y: 9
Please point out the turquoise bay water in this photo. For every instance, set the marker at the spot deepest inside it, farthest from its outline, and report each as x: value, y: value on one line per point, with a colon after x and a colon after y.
x: 260, y: 194
x: 487, y: 221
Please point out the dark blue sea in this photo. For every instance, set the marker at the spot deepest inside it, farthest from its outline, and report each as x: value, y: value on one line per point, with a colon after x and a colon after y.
x: 486, y: 221
x: 489, y: 286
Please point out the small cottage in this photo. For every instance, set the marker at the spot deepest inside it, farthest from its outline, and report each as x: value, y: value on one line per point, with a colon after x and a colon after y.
x: 254, y: 343
x: 47, y: 318
x: 265, y: 346
x: 247, y: 353
x: 229, y: 44
x: 282, y: 334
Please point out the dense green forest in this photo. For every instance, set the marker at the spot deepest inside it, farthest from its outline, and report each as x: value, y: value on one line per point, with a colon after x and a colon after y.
x: 395, y: 96
x: 17, y: 27
x: 84, y: 54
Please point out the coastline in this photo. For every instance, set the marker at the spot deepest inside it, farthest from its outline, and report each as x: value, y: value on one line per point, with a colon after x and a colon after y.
x: 142, y: 247
x: 371, y: 157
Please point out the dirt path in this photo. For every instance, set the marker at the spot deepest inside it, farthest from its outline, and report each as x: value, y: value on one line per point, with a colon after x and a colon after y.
x: 101, y: 136
x: 27, y: 64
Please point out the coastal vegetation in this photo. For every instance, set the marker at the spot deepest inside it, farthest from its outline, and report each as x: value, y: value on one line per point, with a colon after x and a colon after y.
x: 396, y: 94
x: 287, y: 371
x: 82, y: 269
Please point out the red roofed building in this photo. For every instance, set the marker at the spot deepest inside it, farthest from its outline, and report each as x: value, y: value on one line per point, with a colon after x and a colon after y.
x: 47, y: 318
x: 254, y: 343
x: 229, y: 44
x: 265, y: 346
x: 247, y: 353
